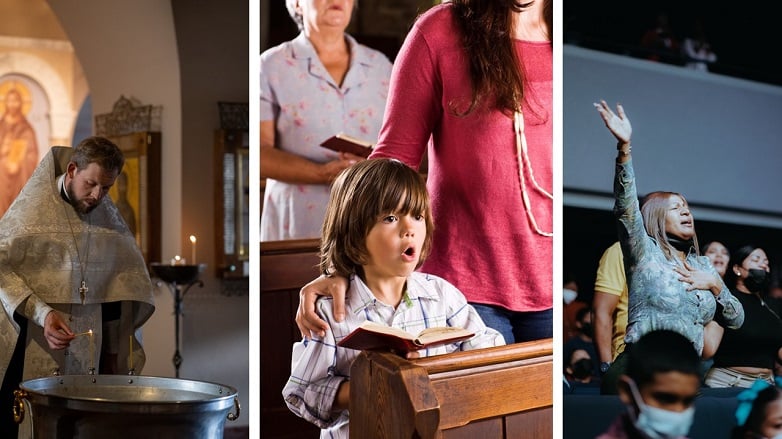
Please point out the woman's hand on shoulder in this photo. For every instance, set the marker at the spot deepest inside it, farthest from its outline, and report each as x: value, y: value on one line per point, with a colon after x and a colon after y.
x: 617, y: 123
x: 307, y: 319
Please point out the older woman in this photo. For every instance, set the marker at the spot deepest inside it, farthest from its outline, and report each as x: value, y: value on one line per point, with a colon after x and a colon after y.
x: 317, y: 85
x: 670, y: 285
x: 750, y: 352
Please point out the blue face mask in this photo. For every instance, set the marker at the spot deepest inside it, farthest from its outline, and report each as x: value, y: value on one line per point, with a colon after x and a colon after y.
x: 658, y: 423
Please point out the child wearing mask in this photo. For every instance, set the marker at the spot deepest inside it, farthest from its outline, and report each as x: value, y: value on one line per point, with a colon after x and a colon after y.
x: 759, y: 411
x: 377, y: 231
x: 582, y: 340
x: 658, y: 387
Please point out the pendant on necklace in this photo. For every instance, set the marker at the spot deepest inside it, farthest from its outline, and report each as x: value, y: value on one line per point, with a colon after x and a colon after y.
x: 83, y: 291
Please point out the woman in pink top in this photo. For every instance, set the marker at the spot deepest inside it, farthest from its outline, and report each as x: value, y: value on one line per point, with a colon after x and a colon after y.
x: 479, y: 104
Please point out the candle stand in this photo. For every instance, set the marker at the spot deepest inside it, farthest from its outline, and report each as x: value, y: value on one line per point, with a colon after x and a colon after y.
x: 179, y: 278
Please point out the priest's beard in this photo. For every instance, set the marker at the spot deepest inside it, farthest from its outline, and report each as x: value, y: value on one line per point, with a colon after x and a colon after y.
x: 81, y: 205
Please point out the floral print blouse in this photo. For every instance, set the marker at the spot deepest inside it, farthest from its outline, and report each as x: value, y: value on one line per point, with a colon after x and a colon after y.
x: 307, y: 107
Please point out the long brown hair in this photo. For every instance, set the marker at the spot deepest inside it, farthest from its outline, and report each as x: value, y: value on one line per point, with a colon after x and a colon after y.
x: 487, y: 36
x: 359, y: 196
x: 653, y: 210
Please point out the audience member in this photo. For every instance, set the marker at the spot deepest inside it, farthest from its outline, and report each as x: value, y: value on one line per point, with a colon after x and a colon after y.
x: 317, y: 85
x: 697, y: 51
x: 610, y: 307
x: 719, y: 256
x: 572, y: 305
x: 472, y: 86
x: 759, y: 411
x: 670, y: 285
x: 658, y: 387
x: 582, y: 340
x: 750, y: 352
x: 579, y: 373
x: 377, y: 231
x: 659, y: 42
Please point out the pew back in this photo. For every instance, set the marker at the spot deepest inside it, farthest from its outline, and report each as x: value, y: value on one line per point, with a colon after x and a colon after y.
x: 500, y: 392
x: 286, y: 266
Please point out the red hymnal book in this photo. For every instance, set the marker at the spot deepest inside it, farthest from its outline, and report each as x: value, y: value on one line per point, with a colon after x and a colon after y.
x: 374, y: 336
x: 343, y: 143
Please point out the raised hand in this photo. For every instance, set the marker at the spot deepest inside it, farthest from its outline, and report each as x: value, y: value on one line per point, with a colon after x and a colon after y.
x: 618, y: 123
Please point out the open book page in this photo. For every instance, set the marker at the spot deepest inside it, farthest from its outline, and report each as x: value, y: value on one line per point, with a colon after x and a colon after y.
x: 344, y: 143
x: 374, y: 336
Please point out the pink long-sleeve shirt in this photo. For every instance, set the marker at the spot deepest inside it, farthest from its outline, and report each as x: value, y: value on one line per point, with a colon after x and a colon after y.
x: 484, y: 242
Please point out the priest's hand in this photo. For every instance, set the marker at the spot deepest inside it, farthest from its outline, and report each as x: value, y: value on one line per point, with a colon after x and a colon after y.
x: 56, y: 331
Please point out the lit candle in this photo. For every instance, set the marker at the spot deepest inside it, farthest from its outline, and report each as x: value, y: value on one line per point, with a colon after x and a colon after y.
x: 176, y: 260
x: 92, y: 351
x: 193, y: 254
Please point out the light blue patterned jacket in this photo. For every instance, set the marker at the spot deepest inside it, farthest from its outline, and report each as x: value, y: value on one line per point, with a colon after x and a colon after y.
x: 657, y: 298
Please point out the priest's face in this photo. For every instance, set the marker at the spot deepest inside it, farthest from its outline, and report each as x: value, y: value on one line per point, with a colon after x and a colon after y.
x: 86, y: 187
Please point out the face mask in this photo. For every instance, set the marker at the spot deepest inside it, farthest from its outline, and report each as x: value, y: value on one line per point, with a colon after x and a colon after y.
x: 587, y: 329
x: 582, y: 368
x: 658, y: 423
x: 569, y: 295
x: 680, y: 244
x: 757, y: 280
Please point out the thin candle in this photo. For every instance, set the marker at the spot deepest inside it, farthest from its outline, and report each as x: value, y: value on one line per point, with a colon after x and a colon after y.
x: 89, y: 332
x: 92, y: 351
x: 193, y: 253
x: 130, y: 355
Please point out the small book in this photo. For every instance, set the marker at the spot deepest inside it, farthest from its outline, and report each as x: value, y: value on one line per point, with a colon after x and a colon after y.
x: 374, y: 336
x: 343, y: 143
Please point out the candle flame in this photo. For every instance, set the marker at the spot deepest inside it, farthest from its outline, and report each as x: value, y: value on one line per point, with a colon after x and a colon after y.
x: 193, y: 239
x: 89, y: 332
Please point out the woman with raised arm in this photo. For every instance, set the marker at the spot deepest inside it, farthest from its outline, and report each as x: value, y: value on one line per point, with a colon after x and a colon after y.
x: 670, y: 285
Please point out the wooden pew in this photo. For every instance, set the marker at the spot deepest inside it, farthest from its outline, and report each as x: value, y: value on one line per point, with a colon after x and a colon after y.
x: 499, y: 392
x: 285, y: 267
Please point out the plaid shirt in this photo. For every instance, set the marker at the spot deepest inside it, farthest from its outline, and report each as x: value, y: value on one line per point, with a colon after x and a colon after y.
x: 319, y: 366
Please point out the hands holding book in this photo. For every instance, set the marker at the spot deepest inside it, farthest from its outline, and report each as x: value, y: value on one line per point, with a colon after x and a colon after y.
x: 375, y: 336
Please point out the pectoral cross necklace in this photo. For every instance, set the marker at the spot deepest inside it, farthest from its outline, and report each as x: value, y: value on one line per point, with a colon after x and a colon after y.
x: 83, y: 289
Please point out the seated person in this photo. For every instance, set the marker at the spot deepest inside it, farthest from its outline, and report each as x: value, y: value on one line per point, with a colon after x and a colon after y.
x: 658, y: 387
x: 377, y: 231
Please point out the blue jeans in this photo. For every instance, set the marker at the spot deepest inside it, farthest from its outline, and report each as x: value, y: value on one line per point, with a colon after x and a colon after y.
x: 517, y: 326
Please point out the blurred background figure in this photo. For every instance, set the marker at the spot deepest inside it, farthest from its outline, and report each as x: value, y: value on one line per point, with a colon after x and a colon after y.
x: 696, y: 49
x: 572, y: 305
x: 582, y: 341
x: 659, y: 41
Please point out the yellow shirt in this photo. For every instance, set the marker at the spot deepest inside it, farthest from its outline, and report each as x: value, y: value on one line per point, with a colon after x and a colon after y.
x: 611, y: 279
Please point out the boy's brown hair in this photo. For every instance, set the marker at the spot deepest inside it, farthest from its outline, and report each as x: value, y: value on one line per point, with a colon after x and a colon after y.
x: 360, y: 195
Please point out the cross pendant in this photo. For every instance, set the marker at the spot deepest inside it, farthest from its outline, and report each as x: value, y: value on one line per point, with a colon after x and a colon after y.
x: 83, y: 291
